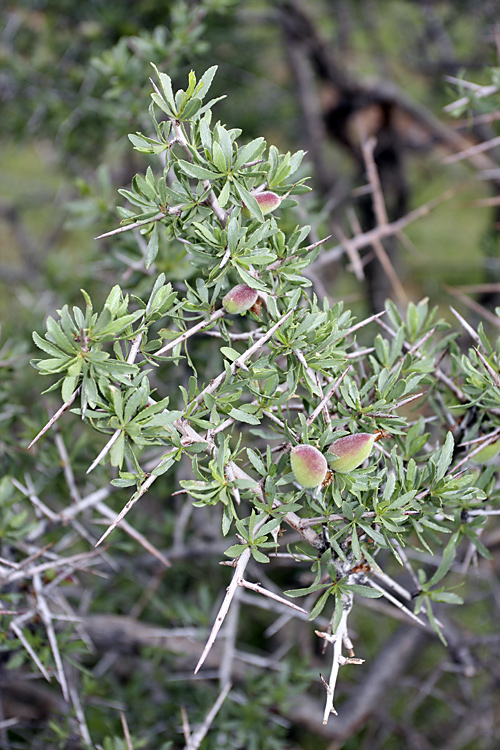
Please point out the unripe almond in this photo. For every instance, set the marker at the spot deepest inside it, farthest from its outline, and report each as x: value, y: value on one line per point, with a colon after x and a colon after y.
x: 267, y: 200
x: 240, y: 298
x: 349, y: 452
x: 309, y: 465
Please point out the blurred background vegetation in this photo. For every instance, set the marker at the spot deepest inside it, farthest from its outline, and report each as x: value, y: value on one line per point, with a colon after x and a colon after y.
x: 320, y: 75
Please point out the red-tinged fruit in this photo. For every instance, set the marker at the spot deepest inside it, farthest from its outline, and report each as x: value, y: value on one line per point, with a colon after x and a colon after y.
x: 267, y: 200
x: 308, y: 465
x: 349, y: 452
x: 239, y: 299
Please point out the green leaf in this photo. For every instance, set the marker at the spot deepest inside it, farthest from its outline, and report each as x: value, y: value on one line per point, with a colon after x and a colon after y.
x: 152, y: 248
x: 243, y: 416
x: 449, y: 555
x: 365, y: 591
x: 320, y: 604
x: 198, y: 173
x: 259, y: 556
x: 445, y: 456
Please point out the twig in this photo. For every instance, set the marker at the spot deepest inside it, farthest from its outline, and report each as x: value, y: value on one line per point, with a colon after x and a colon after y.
x: 128, y: 529
x: 80, y: 716
x: 186, y: 729
x: 56, y: 416
x: 44, y: 611
x: 199, y: 735
x: 231, y: 590
x: 135, y: 497
x: 141, y: 223
x: 353, y: 253
x: 126, y: 733
x: 261, y: 590
x: 190, y: 332
x: 367, y: 148
x: 364, y: 323
x: 488, y: 367
x: 214, y: 384
x: 397, y: 603
x: 387, y: 230
x: 473, y: 305
x: 112, y: 440
x: 19, y: 633
x: 338, y: 638
x: 478, y: 148
x: 229, y: 641
x: 134, y: 351
x: 327, y: 396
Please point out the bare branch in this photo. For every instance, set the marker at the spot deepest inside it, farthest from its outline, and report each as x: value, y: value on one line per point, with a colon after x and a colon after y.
x: 198, y: 736
x: 46, y: 616
x: 261, y: 590
x: 56, y: 416
x: 190, y: 332
x: 243, y: 561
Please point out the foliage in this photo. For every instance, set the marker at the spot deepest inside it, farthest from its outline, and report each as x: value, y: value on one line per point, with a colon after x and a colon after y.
x: 178, y: 418
x: 289, y: 371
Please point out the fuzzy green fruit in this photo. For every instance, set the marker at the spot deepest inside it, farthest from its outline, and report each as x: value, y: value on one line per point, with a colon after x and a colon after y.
x: 349, y: 452
x: 239, y: 299
x: 309, y: 465
x: 267, y: 200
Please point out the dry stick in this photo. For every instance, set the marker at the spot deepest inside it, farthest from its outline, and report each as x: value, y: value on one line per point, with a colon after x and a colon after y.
x: 19, y: 633
x: 214, y: 384
x: 238, y: 336
x: 112, y: 440
x: 367, y: 148
x: 488, y: 367
x: 229, y: 641
x: 338, y: 638
x: 479, y: 148
x: 414, y: 348
x: 473, y: 305
x: 360, y: 353
x: 44, y: 612
x: 35, y: 500
x: 364, y: 323
x: 140, y: 538
x: 397, y: 603
x: 135, y: 497
x: 56, y: 416
x: 394, y: 585
x: 327, y: 396
x: 66, y: 465
x: 479, y: 92
x: 56, y: 562
x: 191, y: 331
x: 126, y: 732
x: 380, y: 232
x: 143, y: 222
x: 407, y: 564
x: 261, y: 590
x: 243, y: 561
x: 487, y: 440
x: 186, y: 729
x: 353, y: 253
x: 198, y: 737
x: 80, y: 716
